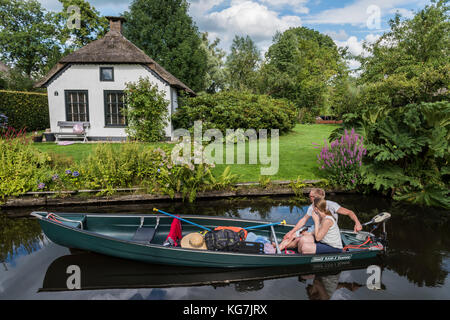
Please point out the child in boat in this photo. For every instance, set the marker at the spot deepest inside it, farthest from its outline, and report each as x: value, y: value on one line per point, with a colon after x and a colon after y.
x: 327, y: 236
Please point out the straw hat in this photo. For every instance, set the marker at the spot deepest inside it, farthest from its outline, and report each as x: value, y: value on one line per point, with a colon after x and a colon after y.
x: 193, y: 241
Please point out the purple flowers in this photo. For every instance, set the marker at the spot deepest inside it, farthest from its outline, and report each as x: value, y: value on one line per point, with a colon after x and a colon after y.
x: 343, y: 157
x: 41, y: 186
x: 55, y: 177
x: 68, y: 172
x: 75, y: 174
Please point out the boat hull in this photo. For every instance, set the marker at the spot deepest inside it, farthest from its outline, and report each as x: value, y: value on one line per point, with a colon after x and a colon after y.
x: 108, y: 243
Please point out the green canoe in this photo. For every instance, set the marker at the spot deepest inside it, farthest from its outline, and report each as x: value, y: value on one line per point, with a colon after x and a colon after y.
x: 117, y: 236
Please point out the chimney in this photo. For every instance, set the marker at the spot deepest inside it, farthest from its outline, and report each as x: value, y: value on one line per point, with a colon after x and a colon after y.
x: 115, y: 23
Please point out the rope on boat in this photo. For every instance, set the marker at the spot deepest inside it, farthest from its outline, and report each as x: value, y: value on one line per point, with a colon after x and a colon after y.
x: 359, y: 246
x: 56, y: 218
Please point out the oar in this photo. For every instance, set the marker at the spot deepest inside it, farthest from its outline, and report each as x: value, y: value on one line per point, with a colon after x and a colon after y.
x: 267, y: 225
x: 171, y: 215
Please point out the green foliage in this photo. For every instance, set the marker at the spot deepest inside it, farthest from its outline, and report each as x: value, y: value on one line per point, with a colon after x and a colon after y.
x: 299, y: 66
x: 215, y: 77
x: 166, y: 33
x: 21, y: 167
x: 416, y: 67
x: 233, y: 110
x: 242, y: 64
x: 92, y: 25
x: 25, y: 109
x: 147, y: 111
x: 27, y: 35
x: 403, y: 108
x: 408, y: 151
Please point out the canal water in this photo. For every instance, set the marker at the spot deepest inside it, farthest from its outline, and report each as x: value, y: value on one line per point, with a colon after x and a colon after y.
x: 416, y: 266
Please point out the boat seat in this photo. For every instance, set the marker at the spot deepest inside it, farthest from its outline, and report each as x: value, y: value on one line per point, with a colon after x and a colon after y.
x: 144, y: 234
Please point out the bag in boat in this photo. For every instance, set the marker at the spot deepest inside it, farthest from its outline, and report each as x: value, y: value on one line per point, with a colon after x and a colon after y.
x: 223, y: 239
x: 248, y: 247
x: 235, y: 229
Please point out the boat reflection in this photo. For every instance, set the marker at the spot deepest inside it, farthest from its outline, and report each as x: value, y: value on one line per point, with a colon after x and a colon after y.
x: 103, y: 272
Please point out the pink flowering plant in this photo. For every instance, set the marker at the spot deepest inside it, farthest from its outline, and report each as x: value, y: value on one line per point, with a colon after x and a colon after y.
x: 342, y: 159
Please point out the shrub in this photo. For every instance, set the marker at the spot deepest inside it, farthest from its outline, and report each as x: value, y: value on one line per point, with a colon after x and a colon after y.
x: 342, y: 159
x: 236, y: 110
x: 25, y: 109
x: 22, y: 168
x: 147, y: 111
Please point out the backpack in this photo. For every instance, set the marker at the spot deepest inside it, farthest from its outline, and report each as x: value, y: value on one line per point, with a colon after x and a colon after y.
x: 223, y: 239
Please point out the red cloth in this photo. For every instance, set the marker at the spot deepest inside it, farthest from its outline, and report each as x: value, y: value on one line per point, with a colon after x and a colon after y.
x: 175, y: 232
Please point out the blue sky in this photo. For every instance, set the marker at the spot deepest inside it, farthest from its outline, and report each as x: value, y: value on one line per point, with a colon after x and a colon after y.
x: 348, y: 22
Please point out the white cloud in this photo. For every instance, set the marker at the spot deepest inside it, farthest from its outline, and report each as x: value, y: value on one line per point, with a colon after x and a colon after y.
x: 355, y: 46
x: 404, y: 12
x: 337, y: 35
x: 245, y: 17
x: 357, y: 13
x: 297, y: 6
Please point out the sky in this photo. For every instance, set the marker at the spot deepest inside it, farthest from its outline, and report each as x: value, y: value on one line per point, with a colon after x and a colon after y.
x: 347, y: 22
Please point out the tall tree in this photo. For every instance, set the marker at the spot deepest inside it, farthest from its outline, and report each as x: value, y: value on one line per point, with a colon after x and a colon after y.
x: 215, y: 71
x: 411, y: 62
x: 242, y: 63
x: 28, y: 39
x: 300, y: 65
x: 165, y: 31
x: 80, y: 23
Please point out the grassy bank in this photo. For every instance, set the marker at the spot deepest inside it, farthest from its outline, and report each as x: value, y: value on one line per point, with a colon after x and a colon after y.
x: 297, y: 155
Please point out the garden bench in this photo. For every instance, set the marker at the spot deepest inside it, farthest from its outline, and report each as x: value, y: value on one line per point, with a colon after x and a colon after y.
x: 66, y: 130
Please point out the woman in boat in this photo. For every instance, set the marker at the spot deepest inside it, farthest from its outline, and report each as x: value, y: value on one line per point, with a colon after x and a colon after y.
x: 292, y: 238
x: 327, y: 236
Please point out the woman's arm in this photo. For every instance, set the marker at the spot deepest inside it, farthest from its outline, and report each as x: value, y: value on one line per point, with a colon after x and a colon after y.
x: 321, y: 230
x: 299, y: 224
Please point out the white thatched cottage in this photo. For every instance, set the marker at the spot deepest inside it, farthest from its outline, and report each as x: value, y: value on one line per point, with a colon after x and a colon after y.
x: 87, y: 85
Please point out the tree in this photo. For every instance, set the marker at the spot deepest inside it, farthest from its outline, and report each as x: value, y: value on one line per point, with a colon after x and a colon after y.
x: 147, y: 112
x: 91, y: 25
x: 242, y: 63
x: 411, y: 62
x: 166, y: 33
x: 300, y: 65
x: 215, y: 77
x: 404, y: 108
x: 28, y: 39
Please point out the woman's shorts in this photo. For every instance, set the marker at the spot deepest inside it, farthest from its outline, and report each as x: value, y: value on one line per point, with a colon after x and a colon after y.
x: 324, y: 248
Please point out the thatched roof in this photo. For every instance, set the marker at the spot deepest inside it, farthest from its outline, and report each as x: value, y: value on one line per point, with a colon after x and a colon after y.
x: 113, y: 48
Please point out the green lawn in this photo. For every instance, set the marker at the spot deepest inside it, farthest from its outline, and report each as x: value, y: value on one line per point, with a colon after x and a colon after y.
x: 297, y: 155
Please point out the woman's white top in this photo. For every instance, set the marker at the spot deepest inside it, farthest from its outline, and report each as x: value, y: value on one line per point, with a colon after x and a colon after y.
x: 333, y: 236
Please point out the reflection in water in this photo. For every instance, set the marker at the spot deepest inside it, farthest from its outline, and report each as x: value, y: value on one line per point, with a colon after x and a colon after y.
x: 103, y: 272
x: 418, y: 254
x: 18, y: 237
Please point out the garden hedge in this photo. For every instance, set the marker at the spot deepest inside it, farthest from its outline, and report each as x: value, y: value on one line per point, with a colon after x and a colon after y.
x: 25, y: 109
x: 233, y: 110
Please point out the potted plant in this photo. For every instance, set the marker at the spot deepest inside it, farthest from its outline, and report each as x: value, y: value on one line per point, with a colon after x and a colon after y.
x: 49, y: 137
x: 37, y: 137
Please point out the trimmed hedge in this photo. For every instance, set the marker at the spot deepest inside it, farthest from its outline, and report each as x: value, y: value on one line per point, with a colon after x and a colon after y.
x: 25, y: 109
x: 233, y: 110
